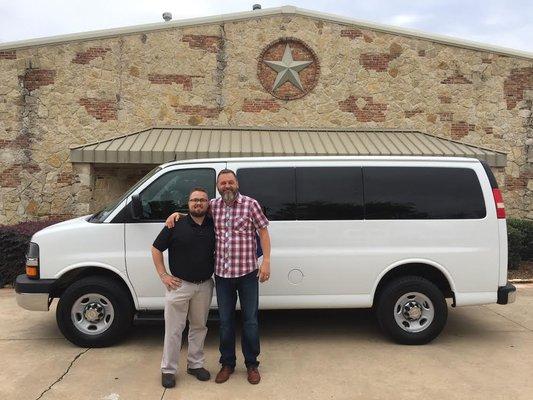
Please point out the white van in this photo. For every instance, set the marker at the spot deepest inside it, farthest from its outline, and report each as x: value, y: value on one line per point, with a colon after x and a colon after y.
x: 399, y: 234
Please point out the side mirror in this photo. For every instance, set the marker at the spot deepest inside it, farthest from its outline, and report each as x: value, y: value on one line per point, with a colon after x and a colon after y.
x: 136, y: 207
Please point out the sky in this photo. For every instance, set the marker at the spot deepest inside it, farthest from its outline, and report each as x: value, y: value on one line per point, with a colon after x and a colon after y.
x: 506, y: 23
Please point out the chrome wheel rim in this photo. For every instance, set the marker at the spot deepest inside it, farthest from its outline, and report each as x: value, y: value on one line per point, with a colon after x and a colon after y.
x: 414, y: 312
x: 92, y: 314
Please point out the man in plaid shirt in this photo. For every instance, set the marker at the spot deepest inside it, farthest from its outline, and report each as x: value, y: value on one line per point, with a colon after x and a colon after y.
x: 237, y: 218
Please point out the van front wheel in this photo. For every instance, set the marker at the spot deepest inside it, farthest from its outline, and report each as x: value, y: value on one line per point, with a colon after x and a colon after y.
x: 94, y: 312
x: 412, y: 310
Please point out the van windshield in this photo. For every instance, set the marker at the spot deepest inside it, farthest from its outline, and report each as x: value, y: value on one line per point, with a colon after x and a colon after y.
x: 101, y: 215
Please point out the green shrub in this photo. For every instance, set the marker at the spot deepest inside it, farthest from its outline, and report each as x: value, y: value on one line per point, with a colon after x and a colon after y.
x: 526, y: 227
x: 520, y: 240
x: 14, y: 240
x: 13, y: 248
x: 516, y: 242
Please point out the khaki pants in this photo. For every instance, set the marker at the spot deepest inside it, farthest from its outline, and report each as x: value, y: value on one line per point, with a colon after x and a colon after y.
x: 190, y: 301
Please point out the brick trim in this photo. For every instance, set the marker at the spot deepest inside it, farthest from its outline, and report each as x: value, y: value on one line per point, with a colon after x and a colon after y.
x: 36, y: 78
x: 209, y: 43
x: 102, y: 110
x: 168, y: 79
x: 258, y: 105
x: 85, y: 57
x: 8, y: 55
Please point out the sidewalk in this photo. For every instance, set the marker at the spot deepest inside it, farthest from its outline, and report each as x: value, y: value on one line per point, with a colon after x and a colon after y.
x: 484, y: 352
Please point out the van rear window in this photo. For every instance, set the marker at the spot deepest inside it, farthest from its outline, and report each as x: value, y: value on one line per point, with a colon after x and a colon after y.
x: 422, y: 193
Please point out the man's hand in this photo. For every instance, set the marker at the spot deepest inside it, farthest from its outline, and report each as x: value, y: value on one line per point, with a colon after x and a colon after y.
x: 171, y: 282
x: 169, y: 223
x: 264, y: 271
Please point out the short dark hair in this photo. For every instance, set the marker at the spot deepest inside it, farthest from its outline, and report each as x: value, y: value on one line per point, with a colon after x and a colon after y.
x: 198, y: 189
x: 227, y: 171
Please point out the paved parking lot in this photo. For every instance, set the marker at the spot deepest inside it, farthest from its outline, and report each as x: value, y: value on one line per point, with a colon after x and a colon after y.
x: 484, y: 352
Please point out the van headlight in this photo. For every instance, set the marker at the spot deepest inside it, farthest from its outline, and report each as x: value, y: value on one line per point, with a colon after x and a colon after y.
x: 32, y: 261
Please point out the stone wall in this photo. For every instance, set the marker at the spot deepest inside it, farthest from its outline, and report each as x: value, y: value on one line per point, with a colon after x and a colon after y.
x: 58, y: 95
x: 111, y: 182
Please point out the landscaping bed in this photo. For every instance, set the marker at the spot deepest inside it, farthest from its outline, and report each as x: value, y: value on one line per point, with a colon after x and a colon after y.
x: 523, y: 273
x: 14, y: 240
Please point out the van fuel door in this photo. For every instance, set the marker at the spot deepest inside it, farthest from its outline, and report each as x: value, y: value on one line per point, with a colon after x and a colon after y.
x: 295, y: 276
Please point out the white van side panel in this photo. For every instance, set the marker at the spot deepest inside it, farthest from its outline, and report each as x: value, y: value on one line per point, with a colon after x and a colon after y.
x: 475, y: 298
x: 315, y: 301
x: 141, y: 271
x: 347, y: 258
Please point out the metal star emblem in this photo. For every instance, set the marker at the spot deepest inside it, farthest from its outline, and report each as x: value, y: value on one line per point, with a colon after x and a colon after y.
x: 288, y: 69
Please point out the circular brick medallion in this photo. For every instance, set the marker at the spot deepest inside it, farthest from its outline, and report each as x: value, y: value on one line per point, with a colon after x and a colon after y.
x: 288, y: 69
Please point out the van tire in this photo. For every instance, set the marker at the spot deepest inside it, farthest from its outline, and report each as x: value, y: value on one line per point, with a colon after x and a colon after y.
x: 399, y: 296
x: 111, y: 309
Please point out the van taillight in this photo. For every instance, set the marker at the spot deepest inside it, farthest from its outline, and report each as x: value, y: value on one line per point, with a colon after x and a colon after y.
x: 498, y: 200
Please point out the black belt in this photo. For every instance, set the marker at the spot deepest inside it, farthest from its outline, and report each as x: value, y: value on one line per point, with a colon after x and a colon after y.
x: 198, y: 282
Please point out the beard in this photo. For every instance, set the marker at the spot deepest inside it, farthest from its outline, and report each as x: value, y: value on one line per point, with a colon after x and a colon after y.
x: 229, y: 195
x: 198, y: 213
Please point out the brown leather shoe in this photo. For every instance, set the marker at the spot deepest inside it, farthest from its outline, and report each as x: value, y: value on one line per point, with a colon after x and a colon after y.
x: 224, y: 374
x: 253, y: 375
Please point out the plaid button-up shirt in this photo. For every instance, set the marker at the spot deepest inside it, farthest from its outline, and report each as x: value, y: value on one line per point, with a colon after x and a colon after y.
x: 235, y: 228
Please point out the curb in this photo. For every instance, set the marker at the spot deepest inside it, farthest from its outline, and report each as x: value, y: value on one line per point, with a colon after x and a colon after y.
x: 520, y: 281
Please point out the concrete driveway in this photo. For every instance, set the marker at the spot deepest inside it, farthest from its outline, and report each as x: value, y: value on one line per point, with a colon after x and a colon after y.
x: 484, y: 352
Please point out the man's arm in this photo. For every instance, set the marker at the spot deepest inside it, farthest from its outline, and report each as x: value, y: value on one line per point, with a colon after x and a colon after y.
x: 169, y: 223
x: 260, y: 222
x: 171, y: 282
x: 264, y: 269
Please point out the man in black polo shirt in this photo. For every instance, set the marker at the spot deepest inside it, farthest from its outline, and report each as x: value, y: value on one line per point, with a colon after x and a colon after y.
x: 191, y: 246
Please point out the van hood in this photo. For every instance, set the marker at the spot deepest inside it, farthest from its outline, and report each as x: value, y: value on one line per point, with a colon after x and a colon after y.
x: 70, y: 224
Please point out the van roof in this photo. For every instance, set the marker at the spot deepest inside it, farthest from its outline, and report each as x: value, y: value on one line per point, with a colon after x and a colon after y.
x: 431, y: 159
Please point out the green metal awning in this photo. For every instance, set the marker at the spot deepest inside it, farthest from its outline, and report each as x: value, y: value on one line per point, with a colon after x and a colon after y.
x: 162, y: 144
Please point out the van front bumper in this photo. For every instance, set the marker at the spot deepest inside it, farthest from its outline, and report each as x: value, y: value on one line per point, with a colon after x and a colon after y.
x: 506, y: 294
x: 33, y: 294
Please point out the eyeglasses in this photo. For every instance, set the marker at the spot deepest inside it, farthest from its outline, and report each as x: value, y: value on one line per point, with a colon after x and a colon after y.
x: 198, y: 200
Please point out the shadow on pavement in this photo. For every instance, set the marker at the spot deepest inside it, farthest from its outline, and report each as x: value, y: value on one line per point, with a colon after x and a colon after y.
x: 328, y: 324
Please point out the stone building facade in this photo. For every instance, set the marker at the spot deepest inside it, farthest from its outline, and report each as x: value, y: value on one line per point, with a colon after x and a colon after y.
x: 61, y: 92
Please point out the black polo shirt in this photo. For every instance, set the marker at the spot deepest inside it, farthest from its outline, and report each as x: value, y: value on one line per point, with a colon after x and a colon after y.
x: 191, y: 248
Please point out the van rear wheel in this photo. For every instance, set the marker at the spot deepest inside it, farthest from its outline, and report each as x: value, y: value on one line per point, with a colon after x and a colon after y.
x: 94, y: 312
x: 412, y: 310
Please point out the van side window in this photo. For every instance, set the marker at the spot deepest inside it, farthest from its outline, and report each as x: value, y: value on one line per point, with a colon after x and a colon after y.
x: 422, y: 193
x: 170, y: 192
x: 329, y: 193
x: 273, y: 188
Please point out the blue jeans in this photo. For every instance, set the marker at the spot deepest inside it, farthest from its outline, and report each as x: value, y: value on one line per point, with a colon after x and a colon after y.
x: 247, y: 287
